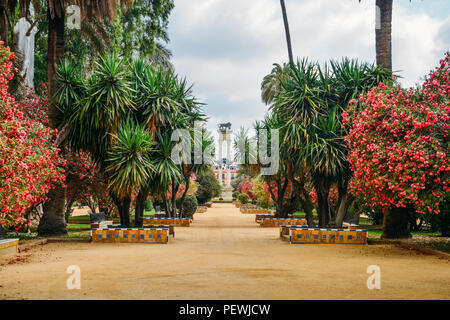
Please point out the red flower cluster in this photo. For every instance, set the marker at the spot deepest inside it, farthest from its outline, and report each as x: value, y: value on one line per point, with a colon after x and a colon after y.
x: 274, y: 188
x: 399, y: 143
x: 29, y: 159
x: 246, y: 186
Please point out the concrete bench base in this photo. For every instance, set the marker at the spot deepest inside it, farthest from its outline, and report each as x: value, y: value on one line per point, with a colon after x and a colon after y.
x: 130, y: 235
x: 327, y: 236
x: 9, y: 246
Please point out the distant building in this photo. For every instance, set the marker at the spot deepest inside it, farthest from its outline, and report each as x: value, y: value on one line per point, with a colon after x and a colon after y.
x: 234, y: 170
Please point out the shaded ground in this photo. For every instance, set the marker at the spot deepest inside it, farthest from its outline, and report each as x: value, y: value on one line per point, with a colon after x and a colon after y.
x: 223, y: 255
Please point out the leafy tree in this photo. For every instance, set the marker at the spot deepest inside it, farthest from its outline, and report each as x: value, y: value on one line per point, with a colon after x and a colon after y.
x: 208, y: 186
x: 29, y: 160
x: 399, y: 143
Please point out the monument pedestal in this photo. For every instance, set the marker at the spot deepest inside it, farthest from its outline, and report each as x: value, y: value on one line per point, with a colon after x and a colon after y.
x: 227, y: 193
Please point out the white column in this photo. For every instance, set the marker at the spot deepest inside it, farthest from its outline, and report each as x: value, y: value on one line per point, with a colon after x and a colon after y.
x: 220, y: 157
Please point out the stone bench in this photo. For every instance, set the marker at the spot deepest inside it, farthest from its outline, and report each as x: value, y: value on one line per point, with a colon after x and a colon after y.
x: 255, y: 210
x: 298, y: 235
x: 201, y: 209
x: 177, y: 222
x: 260, y: 216
x: 146, y: 226
x: 276, y: 222
x: 130, y: 235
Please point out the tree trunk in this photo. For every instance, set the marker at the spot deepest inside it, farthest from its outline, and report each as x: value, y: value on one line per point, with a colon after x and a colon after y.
x: 140, y: 206
x: 383, y: 32
x: 307, y: 207
x: 123, y: 206
x: 395, y: 223
x: 286, y: 28
x: 184, y: 196
x: 68, y: 209
x: 346, y: 202
x: 52, y: 221
x: 4, y: 24
x: 166, y: 204
x: 323, y: 208
x: 174, y: 199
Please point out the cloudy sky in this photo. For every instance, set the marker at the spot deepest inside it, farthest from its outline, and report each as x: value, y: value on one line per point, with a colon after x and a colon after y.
x: 225, y: 47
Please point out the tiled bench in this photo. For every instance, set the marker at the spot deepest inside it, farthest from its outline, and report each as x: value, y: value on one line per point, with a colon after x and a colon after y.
x: 201, y: 209
x: 130, y: 235
x: 177, y: 222
x: 260, y: 216
x: 327, y: 236
x: 255, y: 210
x: 276, y: 222
x: 171, y: 227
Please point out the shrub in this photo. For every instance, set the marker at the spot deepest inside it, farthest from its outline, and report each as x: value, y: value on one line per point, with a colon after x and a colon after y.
x: 148, y: 205
x: 243, y: 198
x: 208, y: 187
x: 399, y: 142
x: 29, y: 159
x: 189, y: 206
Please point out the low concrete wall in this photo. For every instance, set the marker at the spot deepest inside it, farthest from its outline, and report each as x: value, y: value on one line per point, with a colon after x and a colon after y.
x: 9, y: 246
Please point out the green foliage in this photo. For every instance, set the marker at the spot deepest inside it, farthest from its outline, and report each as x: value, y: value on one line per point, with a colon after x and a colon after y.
x: 148, y: 205
x: 208, y: 187
x: 128, y: 164
x: 190, y: 205
x: 243, y: 198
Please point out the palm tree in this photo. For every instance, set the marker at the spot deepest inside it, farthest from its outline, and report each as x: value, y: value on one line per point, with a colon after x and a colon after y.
x: 286, y: 28
x: 52, y: 221
x: 383, y: 34
x: 129, y: 166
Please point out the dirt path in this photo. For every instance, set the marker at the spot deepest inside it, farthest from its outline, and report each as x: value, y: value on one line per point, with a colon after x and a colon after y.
x: 224, y: 255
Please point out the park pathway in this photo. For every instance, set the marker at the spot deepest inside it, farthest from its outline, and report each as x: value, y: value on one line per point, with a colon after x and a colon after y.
x: 223, y: 255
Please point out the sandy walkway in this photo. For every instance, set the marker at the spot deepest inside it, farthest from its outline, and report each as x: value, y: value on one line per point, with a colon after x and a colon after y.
x: 224, y: 255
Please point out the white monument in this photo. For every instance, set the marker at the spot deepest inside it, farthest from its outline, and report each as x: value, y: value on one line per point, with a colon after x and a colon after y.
x: 224, y: 163
x: 25, y: 45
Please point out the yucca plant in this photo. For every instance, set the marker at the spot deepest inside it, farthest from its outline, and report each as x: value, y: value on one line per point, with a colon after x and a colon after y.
x: 110, y: 93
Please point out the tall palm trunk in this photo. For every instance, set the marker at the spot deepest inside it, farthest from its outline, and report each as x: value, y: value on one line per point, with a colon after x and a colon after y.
x: 53, y: 220
x: 4, y: 24
x: 383, y: 33
x: 286, y: 28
